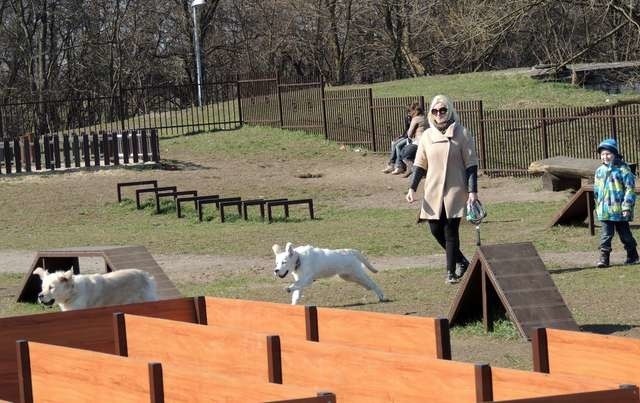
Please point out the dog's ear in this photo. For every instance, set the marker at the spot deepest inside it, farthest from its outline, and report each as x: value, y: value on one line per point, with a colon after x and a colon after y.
x: 276, y: 249
x: 289, y: 248
x: 68, y: 275
x: 40, y: 272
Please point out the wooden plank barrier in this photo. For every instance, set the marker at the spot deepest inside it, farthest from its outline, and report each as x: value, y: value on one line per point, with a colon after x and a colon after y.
x: 54, y: 374
x: 586, y: 354
x: 387, y: 332
x: 353, y: 374
x: 244, y: 354
x: 511, y: 384
x: 263, y: 317
x: 90, y: 329
x: 60, y: 374
x: 372, y: 330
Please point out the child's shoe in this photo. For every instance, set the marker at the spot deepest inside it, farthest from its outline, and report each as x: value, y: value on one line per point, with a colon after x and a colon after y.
x: 632, y: 257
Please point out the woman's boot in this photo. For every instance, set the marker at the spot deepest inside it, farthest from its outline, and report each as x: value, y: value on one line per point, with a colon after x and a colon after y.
x: 604, y: 259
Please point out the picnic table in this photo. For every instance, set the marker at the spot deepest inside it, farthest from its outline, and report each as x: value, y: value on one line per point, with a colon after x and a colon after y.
x: 561, y: 172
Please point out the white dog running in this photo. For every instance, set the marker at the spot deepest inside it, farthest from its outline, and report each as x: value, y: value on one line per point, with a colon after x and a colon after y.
x: 92, y: 290
x: 306, y: 264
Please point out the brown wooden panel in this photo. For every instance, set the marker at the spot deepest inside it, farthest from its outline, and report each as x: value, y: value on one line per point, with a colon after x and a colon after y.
x: 517, y: 384
x: 410, y: 334
x: 184, y: 384
x: 518, y: 283
x: 257, y: 316
x: 575, y: 209
x: 593, y: 355
x: 361, y: 375
x: 201, y: 347
x: 72, y: 375
x: 90, y: 329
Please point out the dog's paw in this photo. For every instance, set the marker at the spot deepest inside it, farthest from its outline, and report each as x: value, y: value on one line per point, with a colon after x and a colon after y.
x: 287, y: 289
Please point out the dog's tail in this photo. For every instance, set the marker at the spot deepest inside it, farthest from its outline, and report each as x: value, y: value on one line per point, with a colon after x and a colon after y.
x: 364, y: 260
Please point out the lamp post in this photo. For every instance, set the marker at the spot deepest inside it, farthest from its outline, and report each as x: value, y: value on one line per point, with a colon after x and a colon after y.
x: 196, y: 41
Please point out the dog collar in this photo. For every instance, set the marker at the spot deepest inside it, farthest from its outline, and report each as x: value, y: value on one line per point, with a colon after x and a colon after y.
x: 297, y: 266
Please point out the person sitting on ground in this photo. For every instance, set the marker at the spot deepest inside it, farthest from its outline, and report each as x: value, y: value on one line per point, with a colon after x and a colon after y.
x: 615, y: 198
x: 418, y: 125
x: 399, y: 143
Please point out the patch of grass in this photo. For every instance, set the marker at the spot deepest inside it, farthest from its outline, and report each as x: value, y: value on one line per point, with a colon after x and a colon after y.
x: 511, y: 89
x: 503, y: 329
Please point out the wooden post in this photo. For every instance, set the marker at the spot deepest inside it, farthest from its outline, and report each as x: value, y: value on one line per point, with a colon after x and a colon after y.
x: 614, y: 122
x: 239, y: 98
x: 279, y: 99
x: 543, y: 133
x: 481, y: 138
x: 372, y: 119
x: 324, y: 109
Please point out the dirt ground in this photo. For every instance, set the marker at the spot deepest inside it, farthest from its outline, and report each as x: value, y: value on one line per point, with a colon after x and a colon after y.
x: 362, y: 184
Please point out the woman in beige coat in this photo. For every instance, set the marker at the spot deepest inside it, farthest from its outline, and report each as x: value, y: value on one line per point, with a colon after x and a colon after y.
x: 447, y: 156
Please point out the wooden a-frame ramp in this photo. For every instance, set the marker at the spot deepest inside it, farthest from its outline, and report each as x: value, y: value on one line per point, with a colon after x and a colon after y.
x: 512, y: 279
x: 115, y: 258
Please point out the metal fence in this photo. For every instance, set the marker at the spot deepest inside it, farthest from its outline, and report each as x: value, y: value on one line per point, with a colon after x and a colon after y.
x: 507, y: 140
x: 171, y: 110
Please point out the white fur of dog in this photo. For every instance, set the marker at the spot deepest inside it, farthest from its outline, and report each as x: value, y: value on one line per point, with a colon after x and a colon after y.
x: 82, y: 291
x: 307, y: 263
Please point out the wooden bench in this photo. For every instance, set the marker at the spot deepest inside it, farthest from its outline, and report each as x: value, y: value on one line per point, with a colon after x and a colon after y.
x: 560, y: 172
x: 286, y: 204
x: 121, y: 185
x: 193, y: 199
x: 90, y: 329
x: 409, y: 334
x: 353, y: 374
x: 202, y: 202
x: 57, y: 374
x: 586, y: 354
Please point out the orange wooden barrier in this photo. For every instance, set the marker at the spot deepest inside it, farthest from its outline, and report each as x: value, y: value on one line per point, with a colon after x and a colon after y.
x: 90, y: 329
x: 378, y: 331
x: 587, y: 354
x: 54, y: 374
x: 387, y: 332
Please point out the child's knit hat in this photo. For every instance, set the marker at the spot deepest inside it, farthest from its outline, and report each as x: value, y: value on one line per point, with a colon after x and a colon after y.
x: 610, y: 145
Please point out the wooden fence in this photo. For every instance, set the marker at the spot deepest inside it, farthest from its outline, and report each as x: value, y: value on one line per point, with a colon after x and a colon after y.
x: 55, y: 151
x: 507, y: 140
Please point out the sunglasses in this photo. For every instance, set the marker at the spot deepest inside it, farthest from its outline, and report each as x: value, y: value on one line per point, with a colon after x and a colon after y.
x: 437, y: 111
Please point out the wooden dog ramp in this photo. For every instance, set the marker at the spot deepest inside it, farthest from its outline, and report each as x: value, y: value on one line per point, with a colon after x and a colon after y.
x: 510, y: 279
x: 115, y: 258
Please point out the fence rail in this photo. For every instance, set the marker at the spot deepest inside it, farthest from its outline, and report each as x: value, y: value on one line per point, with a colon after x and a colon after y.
x: 507, y: 140
x: 55, y: 151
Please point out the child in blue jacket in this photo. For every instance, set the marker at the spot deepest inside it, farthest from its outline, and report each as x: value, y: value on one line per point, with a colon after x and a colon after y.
x: 615, y: 198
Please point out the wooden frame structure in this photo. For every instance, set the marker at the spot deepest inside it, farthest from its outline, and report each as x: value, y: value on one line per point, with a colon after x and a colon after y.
x: 513, y: 279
